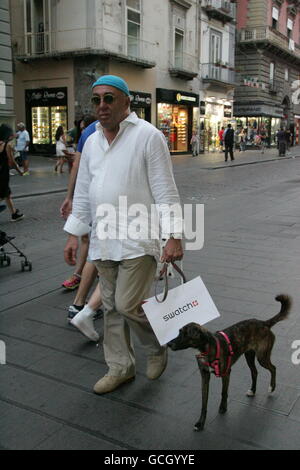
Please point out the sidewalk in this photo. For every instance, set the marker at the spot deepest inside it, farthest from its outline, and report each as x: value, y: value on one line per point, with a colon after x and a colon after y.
x: 216, y: 160
x: 43, y: 179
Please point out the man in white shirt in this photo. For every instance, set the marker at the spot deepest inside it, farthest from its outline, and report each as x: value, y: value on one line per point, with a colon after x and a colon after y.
x: 125, y: 158
x: 23, y: 141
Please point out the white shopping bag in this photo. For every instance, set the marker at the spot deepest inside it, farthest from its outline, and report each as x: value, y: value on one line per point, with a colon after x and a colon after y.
x: 190, y: 302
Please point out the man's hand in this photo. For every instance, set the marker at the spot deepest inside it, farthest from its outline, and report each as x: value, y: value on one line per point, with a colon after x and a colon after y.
x: 70, y: 251
x: 66, y: 208
x: 173, y: 251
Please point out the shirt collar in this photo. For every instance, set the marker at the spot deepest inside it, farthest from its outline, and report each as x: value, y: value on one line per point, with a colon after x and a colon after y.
x: 131, y: 119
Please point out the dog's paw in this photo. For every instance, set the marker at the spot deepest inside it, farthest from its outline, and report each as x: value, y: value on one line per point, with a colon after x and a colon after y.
x: 250, y: 393
x: 198, y: 427
x: 222, y: 410
x: 271, y: 390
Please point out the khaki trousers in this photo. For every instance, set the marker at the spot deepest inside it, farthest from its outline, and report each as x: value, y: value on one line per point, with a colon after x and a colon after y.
x: 124, y: 285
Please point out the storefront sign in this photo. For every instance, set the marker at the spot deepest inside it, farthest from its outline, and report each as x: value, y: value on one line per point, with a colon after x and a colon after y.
x: 47, y: 97
x: 257, y: 110
x: 140, y: 99
x: 176, y: 97
x: 181, y: 97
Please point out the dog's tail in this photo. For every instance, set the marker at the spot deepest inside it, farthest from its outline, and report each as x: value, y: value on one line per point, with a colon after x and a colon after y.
x: 286, y: 304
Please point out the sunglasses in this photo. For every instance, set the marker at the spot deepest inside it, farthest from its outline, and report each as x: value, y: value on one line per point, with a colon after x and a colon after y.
x: 107, y: 99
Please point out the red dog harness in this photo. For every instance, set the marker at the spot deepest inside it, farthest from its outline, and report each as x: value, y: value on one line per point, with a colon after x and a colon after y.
x: 216, y: 363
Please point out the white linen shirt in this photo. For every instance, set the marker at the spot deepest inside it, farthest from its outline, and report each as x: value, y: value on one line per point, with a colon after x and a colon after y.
x: 137, y: 164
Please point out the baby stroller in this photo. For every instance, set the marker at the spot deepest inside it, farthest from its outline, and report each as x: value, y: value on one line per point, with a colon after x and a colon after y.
x: 4, y: 255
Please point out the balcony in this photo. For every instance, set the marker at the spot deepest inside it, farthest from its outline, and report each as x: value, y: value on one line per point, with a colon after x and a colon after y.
x: 183, y: 65
x: 268, y: 38
x: 81, y: 42
x: 218, y: 74
x: 222, y: 10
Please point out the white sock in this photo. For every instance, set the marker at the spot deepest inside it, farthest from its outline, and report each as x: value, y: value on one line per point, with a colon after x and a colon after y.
x: 87, y: 312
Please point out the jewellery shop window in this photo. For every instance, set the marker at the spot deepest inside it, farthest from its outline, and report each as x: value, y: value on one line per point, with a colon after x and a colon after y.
x: 173, y: 122
x: 45, y: 121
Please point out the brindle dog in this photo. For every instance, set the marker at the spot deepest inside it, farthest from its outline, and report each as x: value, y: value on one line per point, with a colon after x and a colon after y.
x: 250, y: 337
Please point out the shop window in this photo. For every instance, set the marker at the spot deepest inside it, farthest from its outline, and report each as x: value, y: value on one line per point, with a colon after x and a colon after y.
x: 272, y: 72
x: 133, y: 27
x: 45, y: 121
x: 173, y: 122
x: 286, y: 74
x: 215, y: 54
x: 179, y: 40
x: 289, y: 28
x: 275, y: 17
x: 40, y: 125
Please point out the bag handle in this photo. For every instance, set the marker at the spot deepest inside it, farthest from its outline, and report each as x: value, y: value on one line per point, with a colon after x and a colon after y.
x: 164, y: 273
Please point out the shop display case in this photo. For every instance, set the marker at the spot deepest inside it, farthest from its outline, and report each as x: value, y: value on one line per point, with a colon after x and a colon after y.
x: 58, y: 118
x: 45, y: 121
x: 164, y: 121
x: 40, y: 125
x: 182, y: 130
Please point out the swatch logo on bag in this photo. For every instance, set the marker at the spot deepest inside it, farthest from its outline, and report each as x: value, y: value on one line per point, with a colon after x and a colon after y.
x: 181, y: 310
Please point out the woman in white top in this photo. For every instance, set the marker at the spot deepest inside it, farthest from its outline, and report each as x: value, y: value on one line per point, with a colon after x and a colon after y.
x: 61, y: 150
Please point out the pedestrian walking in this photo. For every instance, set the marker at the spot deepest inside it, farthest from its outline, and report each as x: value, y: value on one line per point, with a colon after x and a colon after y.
x: 125, y: 155
x: 243, y: 139
x: 221, y: 138
x: 288, y: 140
x: 195, y: 144
x: 6, y: 162
x: 23, y: 141
x: 281, y: 141
x: 263, y: 139
x: 62, y: 153
x: 229, y: 142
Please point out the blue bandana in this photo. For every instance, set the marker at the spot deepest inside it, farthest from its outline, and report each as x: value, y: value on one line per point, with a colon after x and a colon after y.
x: 113, y: 80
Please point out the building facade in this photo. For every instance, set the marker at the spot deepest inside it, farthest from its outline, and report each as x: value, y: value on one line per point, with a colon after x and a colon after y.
x: 268, y: 63
x: 217, y: 72
x: 7, y: 114
x: 155, y: 46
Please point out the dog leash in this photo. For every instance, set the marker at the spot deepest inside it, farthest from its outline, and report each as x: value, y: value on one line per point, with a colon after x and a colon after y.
x: 164, y: 274
x: 216, y: 363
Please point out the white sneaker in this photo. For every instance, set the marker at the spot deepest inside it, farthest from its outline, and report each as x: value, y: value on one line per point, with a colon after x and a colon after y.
x: 86, y: 326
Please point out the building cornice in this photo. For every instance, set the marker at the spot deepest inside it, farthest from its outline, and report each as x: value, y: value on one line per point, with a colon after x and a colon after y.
x: 183, y: 3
